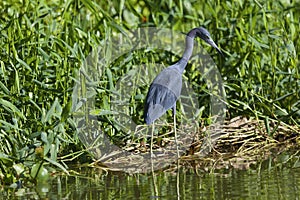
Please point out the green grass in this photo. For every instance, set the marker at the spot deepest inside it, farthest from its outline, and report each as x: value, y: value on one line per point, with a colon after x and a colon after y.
x: 43, y: 44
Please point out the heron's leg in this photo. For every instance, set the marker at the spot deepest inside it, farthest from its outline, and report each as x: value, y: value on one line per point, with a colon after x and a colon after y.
x: 151, y: 142
x: 175, y: 132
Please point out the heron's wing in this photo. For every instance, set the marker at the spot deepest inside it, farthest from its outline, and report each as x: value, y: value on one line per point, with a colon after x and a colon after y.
x: 159, y: 100
x: 163, y: 93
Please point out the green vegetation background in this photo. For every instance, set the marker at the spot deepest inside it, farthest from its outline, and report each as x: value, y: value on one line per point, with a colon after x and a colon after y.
x: 43, y: 43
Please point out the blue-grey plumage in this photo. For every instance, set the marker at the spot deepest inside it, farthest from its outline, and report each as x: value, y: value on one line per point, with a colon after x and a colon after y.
x: 165, y: 89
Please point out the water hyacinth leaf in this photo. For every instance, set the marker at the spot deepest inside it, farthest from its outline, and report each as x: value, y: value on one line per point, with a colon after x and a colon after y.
x: 19, y: 168
x: 39, y: 173
x: 5, y: 159
x: 44, y: 137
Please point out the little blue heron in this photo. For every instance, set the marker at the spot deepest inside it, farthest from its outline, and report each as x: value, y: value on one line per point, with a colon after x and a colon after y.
x: 165, y: 89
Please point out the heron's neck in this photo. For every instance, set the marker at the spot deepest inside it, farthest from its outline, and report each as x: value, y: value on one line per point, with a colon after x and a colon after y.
x: 189, y: 45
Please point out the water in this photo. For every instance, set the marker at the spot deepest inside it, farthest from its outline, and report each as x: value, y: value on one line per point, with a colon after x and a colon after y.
x: 266, y: 181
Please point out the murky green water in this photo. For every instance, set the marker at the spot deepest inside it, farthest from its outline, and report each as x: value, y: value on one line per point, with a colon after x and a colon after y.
x: 266, y: 181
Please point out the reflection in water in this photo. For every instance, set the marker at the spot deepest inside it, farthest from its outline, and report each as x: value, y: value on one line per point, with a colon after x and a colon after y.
x: 265, y: 182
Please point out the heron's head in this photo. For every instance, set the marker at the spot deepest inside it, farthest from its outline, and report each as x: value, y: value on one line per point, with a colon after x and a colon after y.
x: 205, y: 35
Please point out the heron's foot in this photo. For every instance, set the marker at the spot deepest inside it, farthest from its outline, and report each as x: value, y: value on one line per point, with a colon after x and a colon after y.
x: 152, y: 155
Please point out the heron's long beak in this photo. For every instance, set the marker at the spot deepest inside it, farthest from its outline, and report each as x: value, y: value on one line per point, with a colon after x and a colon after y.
x: 213, y: 44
